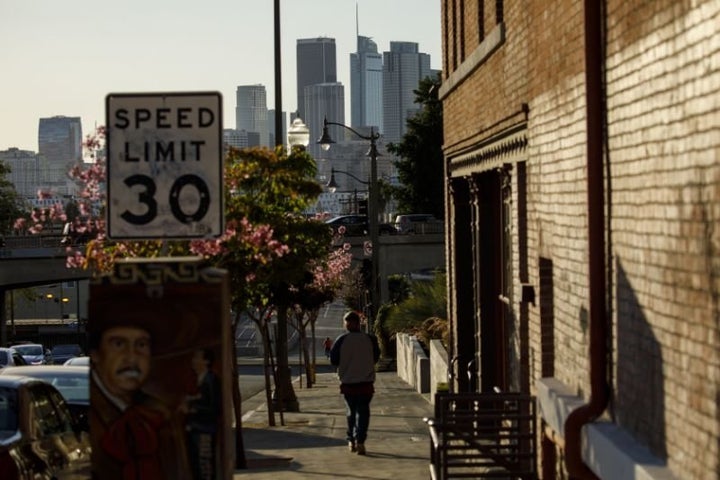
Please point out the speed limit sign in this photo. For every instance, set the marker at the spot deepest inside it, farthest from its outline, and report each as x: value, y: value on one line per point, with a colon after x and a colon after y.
x: 164, y: 165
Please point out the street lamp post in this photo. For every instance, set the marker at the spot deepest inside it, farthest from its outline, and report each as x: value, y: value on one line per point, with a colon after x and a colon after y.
x: 325, y: 141
x: 298, y: 136
x: 278, y: 74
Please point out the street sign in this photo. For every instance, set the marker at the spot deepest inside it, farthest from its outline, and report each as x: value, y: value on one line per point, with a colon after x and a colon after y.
x: 164, y: 165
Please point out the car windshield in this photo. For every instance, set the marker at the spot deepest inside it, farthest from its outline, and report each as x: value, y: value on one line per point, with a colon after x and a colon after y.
x: 78, y: 361
x: 29, y: 349
x: 72, y: 388
x: 62, y: 349
x: 8, y: 412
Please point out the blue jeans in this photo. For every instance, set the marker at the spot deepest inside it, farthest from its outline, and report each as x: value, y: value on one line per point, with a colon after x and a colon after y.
x: 358, y: 417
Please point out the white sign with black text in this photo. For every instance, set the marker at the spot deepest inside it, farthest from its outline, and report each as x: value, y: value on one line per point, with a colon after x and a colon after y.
x: 164, y: 165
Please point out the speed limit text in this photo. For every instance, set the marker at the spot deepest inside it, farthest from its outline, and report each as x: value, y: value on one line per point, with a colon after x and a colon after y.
x: 163, y: 118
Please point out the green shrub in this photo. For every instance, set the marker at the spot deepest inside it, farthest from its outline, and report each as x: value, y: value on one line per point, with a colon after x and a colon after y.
x: 422, y: 314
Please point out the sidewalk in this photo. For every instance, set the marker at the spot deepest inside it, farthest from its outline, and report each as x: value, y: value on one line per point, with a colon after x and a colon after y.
x: 312, y: 442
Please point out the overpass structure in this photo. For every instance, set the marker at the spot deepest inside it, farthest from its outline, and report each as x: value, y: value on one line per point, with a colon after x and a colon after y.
x: 43, y: 265
x: 31, y: 267
x: 22, y: 268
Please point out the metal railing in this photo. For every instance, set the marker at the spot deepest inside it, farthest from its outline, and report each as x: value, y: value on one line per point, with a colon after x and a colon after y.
x: 483, y: 435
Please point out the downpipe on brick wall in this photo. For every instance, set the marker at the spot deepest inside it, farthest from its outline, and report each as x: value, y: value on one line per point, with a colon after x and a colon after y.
x: 599, y: 388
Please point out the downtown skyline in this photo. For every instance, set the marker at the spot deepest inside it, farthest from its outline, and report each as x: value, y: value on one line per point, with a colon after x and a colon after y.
x: 75, y: 83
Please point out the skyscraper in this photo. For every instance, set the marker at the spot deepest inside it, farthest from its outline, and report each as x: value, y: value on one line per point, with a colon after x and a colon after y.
x: 403, y: 68
x: 324, y: 100
x: 24, y: 170
x: 60, y: 147
x: 316, y: 64
x: 366, y: 85
x: 235, y: 138
x: 251, y: 113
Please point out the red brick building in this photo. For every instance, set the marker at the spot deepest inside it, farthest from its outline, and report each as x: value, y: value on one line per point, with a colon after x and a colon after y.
x: 582, y: 148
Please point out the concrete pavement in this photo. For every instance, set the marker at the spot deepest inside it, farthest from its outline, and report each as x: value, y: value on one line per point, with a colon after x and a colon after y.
x: 312, y: 443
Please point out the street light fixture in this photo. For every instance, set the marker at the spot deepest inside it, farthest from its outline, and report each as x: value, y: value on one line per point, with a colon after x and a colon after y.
x: 332, y: 184
x: 325, y: 142
x: 298, y: 134
x: 332, y: 187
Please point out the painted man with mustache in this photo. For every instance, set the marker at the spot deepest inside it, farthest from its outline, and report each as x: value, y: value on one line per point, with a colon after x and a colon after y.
x: 134, y: 435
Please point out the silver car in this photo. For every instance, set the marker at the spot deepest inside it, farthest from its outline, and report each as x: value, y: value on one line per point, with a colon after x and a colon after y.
x: 33, y: 353
x: 73, y: 383
x: 38, y: 437
x: 9, y: 357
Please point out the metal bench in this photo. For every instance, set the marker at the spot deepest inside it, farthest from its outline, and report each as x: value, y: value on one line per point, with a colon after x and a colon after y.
x: 483, y: 435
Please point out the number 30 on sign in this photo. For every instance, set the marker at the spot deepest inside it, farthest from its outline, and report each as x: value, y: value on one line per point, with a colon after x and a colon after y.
x: 164, y: 165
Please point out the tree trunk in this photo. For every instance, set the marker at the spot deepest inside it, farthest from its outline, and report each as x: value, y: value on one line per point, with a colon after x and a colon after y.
x: 267, y: 370
x: 284, y: 393
x: 313, y: 319
x: 240, y: 459
x: 306, y: 358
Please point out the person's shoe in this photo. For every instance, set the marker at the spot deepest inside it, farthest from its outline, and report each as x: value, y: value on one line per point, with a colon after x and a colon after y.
x: 361, y: 449
x: 352, y: 447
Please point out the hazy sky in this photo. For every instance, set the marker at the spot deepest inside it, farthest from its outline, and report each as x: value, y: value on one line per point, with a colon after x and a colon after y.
x: 62, y: 57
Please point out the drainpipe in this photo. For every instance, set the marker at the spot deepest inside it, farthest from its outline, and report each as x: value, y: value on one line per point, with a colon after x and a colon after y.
x: 598, y: 351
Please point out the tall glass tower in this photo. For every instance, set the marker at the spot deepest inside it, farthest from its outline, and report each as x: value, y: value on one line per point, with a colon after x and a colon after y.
x: 324, y: 100
x: 316, y: 64
x: 366, y: 85
x: 60, y: 147
x: 251, y: 113
x: 403, y: 68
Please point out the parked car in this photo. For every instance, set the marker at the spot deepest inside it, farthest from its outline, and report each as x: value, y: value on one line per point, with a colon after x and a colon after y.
x: 38, y: 437
x: 33, y: 353
x: 9, y: 357
x: 357, y: 225
x: 418, y: 223
x: 72, y: 382
x: 74, y: 361
x: 61, y: 353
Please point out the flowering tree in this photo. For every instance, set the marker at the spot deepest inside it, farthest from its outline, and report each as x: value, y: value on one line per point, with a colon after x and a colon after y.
x: 323, y: 287
x: 274, y: 188
x: 41, y: 219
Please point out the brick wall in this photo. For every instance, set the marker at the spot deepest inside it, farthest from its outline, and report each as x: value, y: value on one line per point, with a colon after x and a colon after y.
x: 471, y: 116
x: 663, y: 87
x: 557, y: 209
x: 664, y: 119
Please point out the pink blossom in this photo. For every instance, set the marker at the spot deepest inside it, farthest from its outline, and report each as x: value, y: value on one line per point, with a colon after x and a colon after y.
x: 20, y: 224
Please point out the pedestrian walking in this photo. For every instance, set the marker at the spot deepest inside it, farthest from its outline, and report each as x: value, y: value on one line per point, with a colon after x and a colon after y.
x: 355, y: 354
x: 328, y: 345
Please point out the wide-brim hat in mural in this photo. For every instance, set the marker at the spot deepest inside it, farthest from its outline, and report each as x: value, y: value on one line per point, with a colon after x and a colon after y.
x: 173, y: 331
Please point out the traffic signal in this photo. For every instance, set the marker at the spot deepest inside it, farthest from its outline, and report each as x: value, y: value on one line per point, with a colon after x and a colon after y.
x: 363, y: 207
